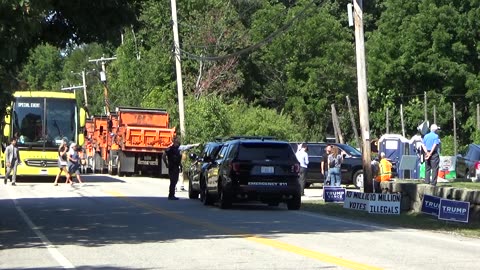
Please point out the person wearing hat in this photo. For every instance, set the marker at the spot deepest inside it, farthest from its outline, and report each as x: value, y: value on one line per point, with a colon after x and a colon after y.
x: 62, y: 160
x: 431, y: 148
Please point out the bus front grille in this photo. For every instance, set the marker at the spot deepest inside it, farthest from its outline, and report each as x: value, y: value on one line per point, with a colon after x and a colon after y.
x: 41, y: 162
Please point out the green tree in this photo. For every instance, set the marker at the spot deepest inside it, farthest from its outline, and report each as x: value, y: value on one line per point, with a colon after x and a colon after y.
x: 43, y: 70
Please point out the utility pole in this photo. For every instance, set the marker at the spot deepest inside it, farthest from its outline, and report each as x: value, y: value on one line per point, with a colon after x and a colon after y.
x: 425, y: 105
x: 454, y: 131
x: 434, y: 114
x: 336, y: 124
x: 387, y: 123
x: 363, y: 96
x: 84, y: 88
x: 178, y: 68
x: 478, y: 117
x: 354, y: 126
x: 103, y: 78
x: 401, y: 119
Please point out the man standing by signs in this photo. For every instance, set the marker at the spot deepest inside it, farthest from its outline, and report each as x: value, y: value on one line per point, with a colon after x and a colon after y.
x: 302, y: 157
x: 431, y: 148
x: 384, y: 172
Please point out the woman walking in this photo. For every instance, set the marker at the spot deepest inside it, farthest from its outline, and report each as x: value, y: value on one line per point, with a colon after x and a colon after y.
x: 62, y: 161
x: 74, y: 163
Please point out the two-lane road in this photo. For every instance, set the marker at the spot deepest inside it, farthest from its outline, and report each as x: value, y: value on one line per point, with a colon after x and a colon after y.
x: 127, y: 223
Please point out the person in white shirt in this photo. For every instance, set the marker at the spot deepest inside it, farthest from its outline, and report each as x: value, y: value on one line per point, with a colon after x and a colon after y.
x: 302, y: 157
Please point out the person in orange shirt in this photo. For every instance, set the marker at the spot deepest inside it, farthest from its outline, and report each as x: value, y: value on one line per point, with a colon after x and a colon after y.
x: 384, y: 172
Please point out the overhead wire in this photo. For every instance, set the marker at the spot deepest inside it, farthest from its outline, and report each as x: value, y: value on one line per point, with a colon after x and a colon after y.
x: 254, y: 47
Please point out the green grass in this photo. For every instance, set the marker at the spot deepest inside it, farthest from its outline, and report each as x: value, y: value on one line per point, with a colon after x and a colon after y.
x: 404, y: 220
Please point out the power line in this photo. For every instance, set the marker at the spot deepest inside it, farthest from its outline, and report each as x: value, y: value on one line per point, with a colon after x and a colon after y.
x: 254, y: 47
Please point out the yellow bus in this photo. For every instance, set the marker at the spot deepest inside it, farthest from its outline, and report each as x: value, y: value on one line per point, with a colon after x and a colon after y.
x: 40, y: 120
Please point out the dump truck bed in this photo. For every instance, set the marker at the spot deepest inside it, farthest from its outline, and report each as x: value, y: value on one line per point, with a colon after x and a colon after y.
x: 144, y: 130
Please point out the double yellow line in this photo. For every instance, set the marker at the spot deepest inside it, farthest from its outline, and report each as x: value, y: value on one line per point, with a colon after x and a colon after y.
x: 256, y: 239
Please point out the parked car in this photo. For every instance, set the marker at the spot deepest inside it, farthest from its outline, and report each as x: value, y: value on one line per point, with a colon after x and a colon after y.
x: 196, y: 172
x: 351, y: 170
x: 468, y: 165
x: 250, y: 169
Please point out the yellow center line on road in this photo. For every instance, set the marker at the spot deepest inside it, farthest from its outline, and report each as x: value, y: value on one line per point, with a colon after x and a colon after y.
x: 253, y: 238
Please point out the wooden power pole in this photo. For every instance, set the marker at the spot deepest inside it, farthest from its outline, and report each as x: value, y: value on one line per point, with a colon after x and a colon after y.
x: 363, y: 96
x: 336, y: 124
x: 178, y: 68
x: 352, y: 120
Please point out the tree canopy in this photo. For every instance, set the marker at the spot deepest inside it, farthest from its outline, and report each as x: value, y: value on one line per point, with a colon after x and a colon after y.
x: 254, y: 67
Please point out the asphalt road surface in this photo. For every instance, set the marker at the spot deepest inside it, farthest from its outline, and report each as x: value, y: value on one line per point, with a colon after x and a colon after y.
x: 128, y: 223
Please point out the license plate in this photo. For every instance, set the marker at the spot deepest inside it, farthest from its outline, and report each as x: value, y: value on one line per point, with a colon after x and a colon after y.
x: 43, y: 172
x: 266, y: 169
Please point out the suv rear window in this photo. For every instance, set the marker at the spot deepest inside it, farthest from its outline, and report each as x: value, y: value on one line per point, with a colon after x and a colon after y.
x: 262, y: 151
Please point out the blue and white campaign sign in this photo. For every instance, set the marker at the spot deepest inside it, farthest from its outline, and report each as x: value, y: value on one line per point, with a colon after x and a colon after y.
x: 430, y: 205
x: 333, y: 194
x: 454, y: 210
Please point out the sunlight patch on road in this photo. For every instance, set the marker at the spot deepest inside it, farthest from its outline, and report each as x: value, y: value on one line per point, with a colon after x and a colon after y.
x: 253, y: 238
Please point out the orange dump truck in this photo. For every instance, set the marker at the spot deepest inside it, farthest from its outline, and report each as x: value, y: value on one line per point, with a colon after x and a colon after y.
x: 132, y: 141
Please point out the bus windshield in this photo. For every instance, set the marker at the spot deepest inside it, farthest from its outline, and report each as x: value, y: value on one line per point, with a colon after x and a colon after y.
x: 43, y: 122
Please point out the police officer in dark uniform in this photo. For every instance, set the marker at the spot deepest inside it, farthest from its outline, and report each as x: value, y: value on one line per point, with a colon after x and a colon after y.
x: 173, y: 159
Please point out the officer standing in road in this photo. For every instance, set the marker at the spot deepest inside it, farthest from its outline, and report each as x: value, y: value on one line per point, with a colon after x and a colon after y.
x: 173, y: 159
x: 431, y: 148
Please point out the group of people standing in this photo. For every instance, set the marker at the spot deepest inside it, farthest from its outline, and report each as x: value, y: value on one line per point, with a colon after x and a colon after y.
x: 332, y: 160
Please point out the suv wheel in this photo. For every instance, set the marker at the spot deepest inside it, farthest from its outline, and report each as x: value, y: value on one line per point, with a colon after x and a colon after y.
x: 192, y: 194
x: 358, y: 179
x: 225, y: 200
x: 295, y: 202
x: 207, y: 198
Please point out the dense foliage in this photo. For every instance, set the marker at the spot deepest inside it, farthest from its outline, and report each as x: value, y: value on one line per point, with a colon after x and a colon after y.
x: 255, y: 67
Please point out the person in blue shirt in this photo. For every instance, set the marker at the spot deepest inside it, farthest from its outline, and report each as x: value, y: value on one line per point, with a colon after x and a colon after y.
x: 302, y: 157
x: 431, y: 148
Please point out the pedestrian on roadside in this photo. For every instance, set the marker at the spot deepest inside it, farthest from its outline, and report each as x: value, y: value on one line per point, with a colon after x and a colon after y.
x: 62, y: 161
x: 324, y: 164
x: 302, y: 157
x: 431, y: 148
x: 74, y: 164
x: 384, y: 173
x: 335, y: 160
x: 12, y: 160
x: 183, y: 148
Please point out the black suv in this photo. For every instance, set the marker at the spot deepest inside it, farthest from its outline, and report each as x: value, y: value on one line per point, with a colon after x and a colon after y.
x: 254, y: 170
x: 351, y: 170
x: 196, y: 173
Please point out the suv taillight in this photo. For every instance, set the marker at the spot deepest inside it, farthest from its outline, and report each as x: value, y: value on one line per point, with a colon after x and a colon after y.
x: 296, y: 168
x: 477, y: 165
x: 235, y: 166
